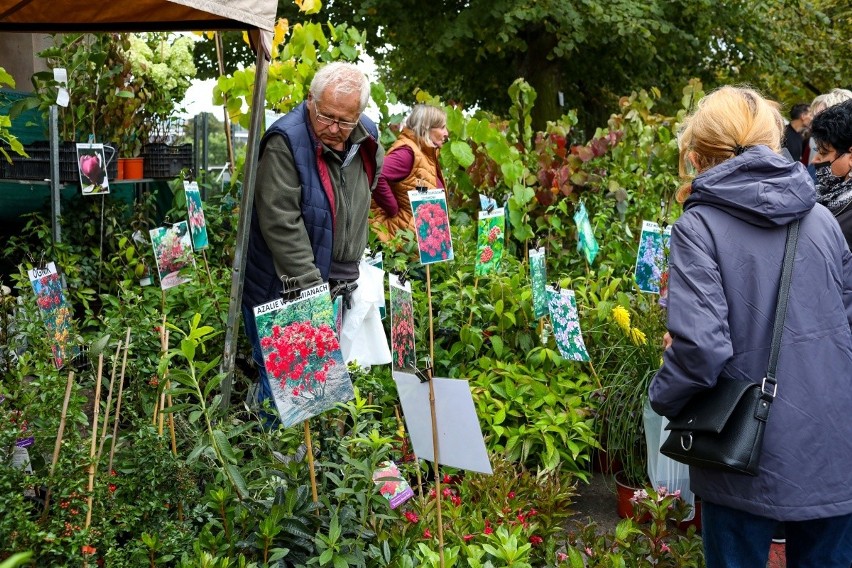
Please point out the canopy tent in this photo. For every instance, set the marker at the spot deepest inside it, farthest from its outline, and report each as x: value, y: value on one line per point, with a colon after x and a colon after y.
x: 257, y: 16
x: 41, y: 15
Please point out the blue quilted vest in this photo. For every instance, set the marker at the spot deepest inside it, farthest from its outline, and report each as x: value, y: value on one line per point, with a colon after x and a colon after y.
x: 261, y: 282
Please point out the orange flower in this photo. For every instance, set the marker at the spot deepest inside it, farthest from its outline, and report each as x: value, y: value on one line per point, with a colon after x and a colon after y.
x: 89, y: 549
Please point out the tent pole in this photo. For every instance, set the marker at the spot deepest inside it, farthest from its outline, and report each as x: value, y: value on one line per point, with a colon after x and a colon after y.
x: 258, y: 112
x: 55, y: 186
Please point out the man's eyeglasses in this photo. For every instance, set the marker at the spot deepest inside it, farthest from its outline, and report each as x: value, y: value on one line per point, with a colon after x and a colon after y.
x: 328, y: 121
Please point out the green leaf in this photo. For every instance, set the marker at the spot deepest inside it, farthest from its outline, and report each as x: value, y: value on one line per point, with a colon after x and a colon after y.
x: 187, y: 347
x: 224, y: 446
x: 462, y: 153
x: 236, y: 478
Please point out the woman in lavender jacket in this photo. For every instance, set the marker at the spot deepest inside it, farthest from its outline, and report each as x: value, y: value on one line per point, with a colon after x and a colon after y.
x: 725, y: 266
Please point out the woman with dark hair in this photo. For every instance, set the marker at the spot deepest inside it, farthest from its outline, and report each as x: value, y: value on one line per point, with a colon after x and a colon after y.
x: 832, y: 132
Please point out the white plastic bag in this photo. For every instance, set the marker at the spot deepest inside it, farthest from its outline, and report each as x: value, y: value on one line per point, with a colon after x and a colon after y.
x: 363, y: 338
x: 664, y: 471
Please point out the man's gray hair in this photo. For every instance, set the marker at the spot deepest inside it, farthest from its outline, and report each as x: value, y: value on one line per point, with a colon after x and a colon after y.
x: 341, y: 79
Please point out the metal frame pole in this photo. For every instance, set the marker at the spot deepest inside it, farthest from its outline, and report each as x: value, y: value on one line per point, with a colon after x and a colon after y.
x: 258, y: 111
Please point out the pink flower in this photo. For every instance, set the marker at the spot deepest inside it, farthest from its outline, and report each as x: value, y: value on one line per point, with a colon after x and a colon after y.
x: 411, y: 516
x: 467, y: 537
x: 426, y: 533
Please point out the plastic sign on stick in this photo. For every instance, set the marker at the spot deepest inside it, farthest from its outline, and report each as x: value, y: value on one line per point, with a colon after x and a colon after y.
x: 432, y: 225
x: 55, y: 312
x: 651, y: 258
x: 586, y: 242
x: 195, y: 213
x: 302, y: 356
x: 403, y: 354
x: 538, y: 277
x: 566, y: 324
x: 460, y: 442
x: 489, y: 241
x: 92, y: 164
x: 173, y: 253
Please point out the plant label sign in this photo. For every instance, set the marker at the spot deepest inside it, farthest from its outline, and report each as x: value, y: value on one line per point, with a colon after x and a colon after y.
x: 432, y: 225
x: 538, y: 277
x: 378, y: 261
x: 490, y: 237
x: 195, y: 213
x: 586, y: 242
x: 302, y: 356
x: 460, y: 442
x: 93, y: 169
x: 392, y: 485
x: 652, y: 257
x: 55, y: 312
x: 566, y: 324
x: 403, y: 355
x: 173, y: 252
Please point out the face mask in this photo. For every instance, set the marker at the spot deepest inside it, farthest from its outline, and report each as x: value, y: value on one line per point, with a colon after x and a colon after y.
x: 825, y: 179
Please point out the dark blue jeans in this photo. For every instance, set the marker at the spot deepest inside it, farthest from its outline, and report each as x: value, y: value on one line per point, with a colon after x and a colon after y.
x: 264, y: 392
x: 737, y: 539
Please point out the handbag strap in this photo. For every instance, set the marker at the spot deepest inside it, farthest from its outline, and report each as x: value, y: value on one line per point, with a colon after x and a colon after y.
x: 781, y: 308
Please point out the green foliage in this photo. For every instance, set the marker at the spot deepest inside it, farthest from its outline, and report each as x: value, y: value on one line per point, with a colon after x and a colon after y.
x: 656, y: 542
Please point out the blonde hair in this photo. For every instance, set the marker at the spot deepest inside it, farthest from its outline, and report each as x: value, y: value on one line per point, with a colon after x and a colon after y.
x: 829, y: 99
x: 725, y: 123
x: 422, y: 119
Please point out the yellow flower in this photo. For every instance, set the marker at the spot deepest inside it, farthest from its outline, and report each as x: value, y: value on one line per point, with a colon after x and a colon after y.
x: 621, y: 317
x: 637, y: 336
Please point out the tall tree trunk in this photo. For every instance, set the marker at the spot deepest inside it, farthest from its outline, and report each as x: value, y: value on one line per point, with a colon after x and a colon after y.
x: 543, y: 75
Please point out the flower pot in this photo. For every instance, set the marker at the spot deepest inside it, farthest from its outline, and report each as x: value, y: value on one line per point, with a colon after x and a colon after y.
x: 624, y: 494
x: 121, y: 168
x: 133, y: 168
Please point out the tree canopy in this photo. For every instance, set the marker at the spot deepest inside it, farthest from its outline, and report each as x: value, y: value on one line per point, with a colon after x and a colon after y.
x: 584, y: 54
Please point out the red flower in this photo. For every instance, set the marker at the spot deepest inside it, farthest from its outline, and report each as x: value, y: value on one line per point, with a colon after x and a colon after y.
x: 536, y: 540
x: 426, y: 533
x: 486, y: 254
x: 511, y: 495
x: 467, y: 537
x: 112, y: 487
x: 89, y: 549
x: 411, y: 516
x: 456, y: 500
x: 488, y: 530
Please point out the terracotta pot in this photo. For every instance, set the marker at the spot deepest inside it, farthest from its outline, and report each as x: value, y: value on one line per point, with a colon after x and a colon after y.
x: 133, y: 168
x: 624, y: 493
x: 121, y: 168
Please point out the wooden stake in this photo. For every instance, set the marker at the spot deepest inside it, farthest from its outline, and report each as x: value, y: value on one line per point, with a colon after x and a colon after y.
x: 432, y: 410
x: 310, y: 453
x: 118, y: 403
x: 58, y: 445
x: 109, y: 400
x: 95, y: 416
x: 595, y: 373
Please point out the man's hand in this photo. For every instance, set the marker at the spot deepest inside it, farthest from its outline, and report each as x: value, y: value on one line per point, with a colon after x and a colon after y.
x: 667, y: 341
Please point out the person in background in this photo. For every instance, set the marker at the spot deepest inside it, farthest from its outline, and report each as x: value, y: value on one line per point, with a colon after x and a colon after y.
x: 800, y: 119
x: 411, y: 161
x: 726, y: 252
x: 318, y: 166
x: 832, y: 133
x: 819, y: 104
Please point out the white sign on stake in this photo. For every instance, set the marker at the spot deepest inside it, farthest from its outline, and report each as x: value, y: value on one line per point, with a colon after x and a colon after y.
x: 460, y: 442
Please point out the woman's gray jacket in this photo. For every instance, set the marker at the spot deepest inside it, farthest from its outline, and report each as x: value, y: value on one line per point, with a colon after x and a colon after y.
x: 725, y: 266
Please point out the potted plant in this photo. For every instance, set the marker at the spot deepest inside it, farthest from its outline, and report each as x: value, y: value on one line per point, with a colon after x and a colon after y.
x: 625, y: 344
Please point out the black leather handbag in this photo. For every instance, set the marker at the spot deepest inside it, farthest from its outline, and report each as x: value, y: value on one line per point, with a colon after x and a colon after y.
x: 723, y: 428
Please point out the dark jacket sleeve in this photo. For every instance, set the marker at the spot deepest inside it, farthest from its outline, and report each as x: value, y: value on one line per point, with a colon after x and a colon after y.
x: 697, y: 321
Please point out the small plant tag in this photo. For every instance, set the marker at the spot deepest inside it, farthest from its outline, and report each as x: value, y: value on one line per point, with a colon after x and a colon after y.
x: 586, y: 242
x: 490, y: 240
x: 566, y: 324
x: 392, y: 485
x: 173, y: 252
x: 92, y: 164
x: 432, y: 225
x: 652, y: 257
x: 538, y: 277
x: 195, y: 213
x: 55, y: 312
x: 403, y: 354
x: 301, y: 353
